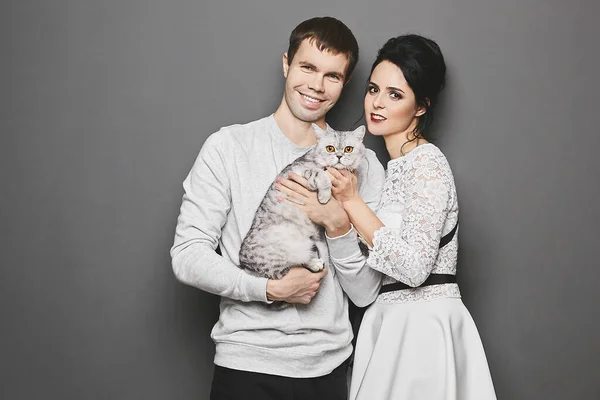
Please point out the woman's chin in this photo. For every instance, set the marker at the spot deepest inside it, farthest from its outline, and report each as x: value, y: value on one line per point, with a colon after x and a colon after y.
x: 375, y: 130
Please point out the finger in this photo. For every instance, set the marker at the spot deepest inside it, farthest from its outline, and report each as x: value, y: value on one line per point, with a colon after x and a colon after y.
x: 290, y: 193
x: 298, y: 203
x: 336, y: 191
x: 346, y: 174
x: 298, y: 179
x: 336, y: 177
x: 294, y: 186
x: 321, y: 274
x: 335, y: 172
x: 351, y: 176
x: 332, y: 178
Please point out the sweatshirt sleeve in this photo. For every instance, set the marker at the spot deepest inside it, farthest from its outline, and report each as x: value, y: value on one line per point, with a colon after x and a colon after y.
x: 360, y: 282
x: 204, y: 208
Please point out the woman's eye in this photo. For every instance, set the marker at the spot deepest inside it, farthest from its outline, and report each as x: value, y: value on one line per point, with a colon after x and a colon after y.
x: 348, y: 149
x: 330, y: 149
x: 395, y: 96
x: 372, y: 89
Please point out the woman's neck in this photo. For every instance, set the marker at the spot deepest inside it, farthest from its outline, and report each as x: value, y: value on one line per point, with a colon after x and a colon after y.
x: 402, y: 143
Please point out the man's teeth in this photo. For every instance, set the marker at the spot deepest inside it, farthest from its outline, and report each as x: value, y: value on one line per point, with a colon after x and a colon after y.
x: 311, y: 99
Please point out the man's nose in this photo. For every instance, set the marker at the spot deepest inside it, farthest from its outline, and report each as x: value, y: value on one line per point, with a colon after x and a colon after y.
x: 317, y: 83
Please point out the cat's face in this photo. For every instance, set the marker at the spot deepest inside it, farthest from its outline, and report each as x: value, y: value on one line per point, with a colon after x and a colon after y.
x: 339, y: 149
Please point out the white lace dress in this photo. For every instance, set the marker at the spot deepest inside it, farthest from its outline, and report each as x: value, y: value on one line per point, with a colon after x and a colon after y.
x: 418, y: 344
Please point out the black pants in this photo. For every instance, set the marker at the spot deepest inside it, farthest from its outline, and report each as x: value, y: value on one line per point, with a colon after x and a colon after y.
x: 231, y: 384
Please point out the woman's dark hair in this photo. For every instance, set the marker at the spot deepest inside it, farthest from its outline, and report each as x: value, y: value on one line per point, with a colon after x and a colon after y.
x: 424, y: 69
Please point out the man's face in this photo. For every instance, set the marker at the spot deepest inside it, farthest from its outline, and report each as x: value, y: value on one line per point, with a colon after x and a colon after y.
x: 314, y: 81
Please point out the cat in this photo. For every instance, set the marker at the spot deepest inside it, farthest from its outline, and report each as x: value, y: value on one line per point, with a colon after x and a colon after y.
x: 282, y: 236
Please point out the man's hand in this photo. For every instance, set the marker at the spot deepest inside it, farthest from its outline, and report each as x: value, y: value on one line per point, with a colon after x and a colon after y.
x: 299, y: 285
x: 332, y: 215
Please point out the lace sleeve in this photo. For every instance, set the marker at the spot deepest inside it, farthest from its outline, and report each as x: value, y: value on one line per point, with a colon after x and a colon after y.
x: 408, y: 254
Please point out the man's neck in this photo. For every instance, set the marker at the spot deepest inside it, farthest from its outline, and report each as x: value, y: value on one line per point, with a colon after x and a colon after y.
x: 298, y: 132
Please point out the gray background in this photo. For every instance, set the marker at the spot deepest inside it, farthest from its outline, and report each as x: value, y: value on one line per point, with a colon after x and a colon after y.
x: 105, y: 105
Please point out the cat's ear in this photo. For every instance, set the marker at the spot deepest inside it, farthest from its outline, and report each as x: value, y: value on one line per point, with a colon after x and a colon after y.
x: 319, y: 133
x: 359, y: 133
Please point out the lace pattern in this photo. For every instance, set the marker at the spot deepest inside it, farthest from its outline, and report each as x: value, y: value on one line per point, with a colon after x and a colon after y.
x: 425, y: 293
x: 418, y: 207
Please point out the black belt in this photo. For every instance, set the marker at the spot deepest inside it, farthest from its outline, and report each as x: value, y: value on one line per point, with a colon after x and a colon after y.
x: 433, y: 279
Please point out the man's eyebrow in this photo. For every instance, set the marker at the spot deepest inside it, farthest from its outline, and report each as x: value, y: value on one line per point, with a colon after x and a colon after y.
x: 337, y: 74
x: 309, y: 64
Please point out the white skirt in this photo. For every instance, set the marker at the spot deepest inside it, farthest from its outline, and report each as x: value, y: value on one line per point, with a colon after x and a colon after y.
x: 421, y: 350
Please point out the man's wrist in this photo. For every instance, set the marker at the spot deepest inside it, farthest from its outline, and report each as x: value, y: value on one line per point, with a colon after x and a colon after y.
x: 338, y: 228
x: 272, y: 293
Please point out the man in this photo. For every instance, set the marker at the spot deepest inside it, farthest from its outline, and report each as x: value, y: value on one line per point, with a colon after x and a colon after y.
x: 264, y: 352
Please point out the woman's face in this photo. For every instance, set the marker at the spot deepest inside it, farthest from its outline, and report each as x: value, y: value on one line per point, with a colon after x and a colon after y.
x: 390, y: 106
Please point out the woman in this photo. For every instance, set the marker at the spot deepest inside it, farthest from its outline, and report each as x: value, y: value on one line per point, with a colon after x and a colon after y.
x: 417, y: 340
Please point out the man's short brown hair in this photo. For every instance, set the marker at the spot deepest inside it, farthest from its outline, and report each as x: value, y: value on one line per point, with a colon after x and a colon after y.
x: 328, y: 34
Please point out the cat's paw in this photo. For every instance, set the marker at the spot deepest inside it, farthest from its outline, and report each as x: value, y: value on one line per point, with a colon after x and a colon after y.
x: 315, y: 265
x: 323, y: 196
x: 311, y: 178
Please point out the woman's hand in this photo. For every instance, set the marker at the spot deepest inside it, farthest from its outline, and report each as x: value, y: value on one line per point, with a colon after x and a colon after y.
x: 331, y: 215
x: 344, y: 184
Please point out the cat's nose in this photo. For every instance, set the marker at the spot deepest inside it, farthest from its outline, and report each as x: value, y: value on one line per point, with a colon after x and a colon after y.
x: 339, y: 157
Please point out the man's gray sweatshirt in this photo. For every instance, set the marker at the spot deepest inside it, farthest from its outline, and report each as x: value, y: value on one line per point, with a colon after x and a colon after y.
x: 229, y: 179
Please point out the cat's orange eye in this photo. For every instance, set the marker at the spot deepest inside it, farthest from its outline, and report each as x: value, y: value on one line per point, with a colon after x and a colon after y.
x: 348, y: 149
x: 330, y: 149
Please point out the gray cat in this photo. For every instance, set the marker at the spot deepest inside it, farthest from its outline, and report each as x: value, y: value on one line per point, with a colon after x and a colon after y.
x: 282, y: 236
